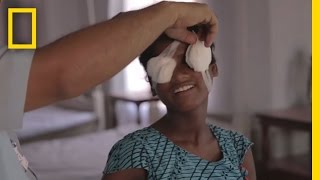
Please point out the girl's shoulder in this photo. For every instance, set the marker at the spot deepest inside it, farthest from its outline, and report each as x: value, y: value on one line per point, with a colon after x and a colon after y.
x: 232, y: 143
x: 137, y: 137
x: 225, y: 133
x: 129, y: 153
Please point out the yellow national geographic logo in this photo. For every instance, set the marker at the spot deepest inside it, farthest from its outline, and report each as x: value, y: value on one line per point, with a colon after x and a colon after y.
x: 33, y: 12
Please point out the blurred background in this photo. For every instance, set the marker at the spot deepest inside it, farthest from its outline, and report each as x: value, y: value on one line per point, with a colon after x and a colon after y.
x: 263, y: 90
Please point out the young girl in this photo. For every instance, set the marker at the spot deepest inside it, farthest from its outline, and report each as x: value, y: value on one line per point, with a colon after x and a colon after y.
x: 181, y: 145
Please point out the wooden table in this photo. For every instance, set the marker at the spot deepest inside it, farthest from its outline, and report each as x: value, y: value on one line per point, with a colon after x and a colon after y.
x: 136, y: 98
x: 290, y: 167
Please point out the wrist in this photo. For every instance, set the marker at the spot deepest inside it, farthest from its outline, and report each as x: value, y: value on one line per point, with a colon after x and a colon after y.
x: 169, y: 10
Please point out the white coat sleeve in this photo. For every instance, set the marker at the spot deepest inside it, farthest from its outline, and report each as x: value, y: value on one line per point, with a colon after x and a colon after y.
x: 14, y: 72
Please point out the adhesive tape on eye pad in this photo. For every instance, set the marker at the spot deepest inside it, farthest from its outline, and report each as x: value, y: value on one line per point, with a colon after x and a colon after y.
x: 170, y: 50
x: 166, y: 72
x: 198, y: 57
x: 161, y: 68
x: 152, y: 67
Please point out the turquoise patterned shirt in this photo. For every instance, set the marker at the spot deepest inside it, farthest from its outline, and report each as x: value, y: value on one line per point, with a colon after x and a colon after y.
x: 162, y: 159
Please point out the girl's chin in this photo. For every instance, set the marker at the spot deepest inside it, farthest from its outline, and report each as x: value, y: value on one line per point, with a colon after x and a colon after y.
x: 187, y: 107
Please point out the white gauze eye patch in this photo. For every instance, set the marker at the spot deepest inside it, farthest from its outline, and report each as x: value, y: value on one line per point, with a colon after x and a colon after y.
x: 198, y: 57
x: 161, y: 68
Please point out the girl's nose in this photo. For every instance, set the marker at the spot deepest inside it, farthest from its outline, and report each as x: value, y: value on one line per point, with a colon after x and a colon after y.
x: 181, y: 73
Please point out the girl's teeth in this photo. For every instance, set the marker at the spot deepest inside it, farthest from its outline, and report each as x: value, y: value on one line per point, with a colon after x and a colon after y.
x: 184, y: 88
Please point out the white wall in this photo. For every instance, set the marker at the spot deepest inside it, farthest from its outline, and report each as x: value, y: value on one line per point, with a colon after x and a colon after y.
x: 2, y: 25
x: 290, y: 37
x: 290, y: 32
x: 21, y: 23
x: 63, y: 17
x: 257, y: 41
x: 242, y: 52
x: 243, y: 55
x: 59, y: 17
x: 259, y: 44
x: 221, y: 96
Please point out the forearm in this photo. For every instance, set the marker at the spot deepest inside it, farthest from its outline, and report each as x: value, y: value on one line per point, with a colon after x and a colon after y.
x: 81, y: 60
x: 95, y: 54
x: 84, y: 59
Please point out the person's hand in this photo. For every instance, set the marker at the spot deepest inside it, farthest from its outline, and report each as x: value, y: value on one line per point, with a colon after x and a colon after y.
x: 189, y: 14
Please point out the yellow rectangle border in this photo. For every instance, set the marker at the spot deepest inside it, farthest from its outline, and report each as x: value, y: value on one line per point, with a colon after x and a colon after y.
x: 315, y: 90
x: 33, y: 12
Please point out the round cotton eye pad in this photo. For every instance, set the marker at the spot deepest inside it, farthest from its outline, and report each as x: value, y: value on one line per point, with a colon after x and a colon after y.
x: 198, y: 57
x: 161, y: 68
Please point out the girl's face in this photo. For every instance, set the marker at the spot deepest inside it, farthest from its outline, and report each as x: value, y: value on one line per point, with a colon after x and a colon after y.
x: 186, y: 89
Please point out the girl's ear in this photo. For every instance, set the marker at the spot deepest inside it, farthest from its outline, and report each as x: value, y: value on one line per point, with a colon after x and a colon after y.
x: 213, y: 68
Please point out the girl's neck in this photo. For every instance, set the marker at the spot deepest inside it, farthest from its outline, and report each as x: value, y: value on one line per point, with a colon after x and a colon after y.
x: 189, y: 126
